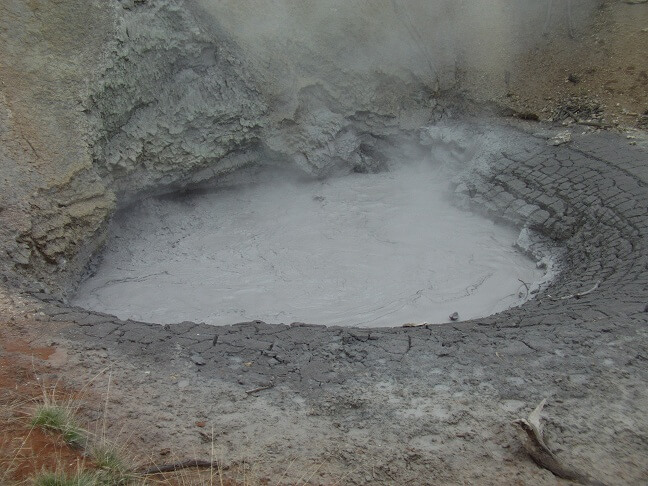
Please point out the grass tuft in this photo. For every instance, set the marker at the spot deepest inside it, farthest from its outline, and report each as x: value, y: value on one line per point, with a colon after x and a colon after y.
x: 112, y: 467
x: 61, y: 479
x: 54, y: 418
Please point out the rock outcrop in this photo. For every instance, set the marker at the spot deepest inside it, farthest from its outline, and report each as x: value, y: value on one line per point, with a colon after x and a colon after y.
x: 173, y: 97
x: 103, y: 103
x: 54, y: 205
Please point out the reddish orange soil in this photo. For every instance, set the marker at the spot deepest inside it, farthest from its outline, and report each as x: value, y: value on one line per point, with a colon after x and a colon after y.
x: 25, y: 451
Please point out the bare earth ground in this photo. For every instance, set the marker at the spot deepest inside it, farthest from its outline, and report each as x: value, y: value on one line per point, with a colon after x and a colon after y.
x: 35, y: 363
x: 606, y: 66
x: 421, y: 406
x: 24, y: 450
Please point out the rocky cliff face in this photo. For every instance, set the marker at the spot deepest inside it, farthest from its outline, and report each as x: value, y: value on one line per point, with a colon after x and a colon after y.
x: 178, y: 100
x: 53, y: 204
x: 171, y: 97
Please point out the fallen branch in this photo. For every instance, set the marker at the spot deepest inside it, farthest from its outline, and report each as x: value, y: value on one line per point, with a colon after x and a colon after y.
x: 578, y: 121
x: 261, y: 388
x: 177, y: 466
x: 593, y: 124
x: 578, y: 295
x: 526, y: 286
x: 532, y: 437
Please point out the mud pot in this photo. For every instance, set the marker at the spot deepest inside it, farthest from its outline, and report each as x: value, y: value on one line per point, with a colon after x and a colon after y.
x: 373, y: 402
x: 362, y: 250
x: 217, y: 217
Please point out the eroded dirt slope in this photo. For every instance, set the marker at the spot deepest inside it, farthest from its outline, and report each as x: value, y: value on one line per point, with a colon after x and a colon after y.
x: 603, y: 68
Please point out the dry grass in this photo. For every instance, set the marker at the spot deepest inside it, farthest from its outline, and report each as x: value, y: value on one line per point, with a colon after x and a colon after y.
x: 27, y: 444
x: 59, y: 420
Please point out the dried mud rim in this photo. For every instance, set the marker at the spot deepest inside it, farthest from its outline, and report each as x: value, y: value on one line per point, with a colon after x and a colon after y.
x: 591, y: 196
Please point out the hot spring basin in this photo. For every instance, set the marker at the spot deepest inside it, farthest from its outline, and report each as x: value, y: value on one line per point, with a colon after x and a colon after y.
x: 363, y: 250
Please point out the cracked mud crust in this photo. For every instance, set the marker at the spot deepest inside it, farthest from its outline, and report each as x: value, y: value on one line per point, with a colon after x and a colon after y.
x: 397, y: 405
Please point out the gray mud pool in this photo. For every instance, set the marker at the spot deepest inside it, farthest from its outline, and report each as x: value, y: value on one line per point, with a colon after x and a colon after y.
x: 361, y: 250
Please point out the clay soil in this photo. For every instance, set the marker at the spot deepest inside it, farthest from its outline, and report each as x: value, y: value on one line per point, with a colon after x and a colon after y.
x: 25, y: 377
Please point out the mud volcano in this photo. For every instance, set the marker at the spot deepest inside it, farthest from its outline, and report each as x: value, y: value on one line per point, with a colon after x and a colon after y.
x: 365, y: 250
x: 136, y: 139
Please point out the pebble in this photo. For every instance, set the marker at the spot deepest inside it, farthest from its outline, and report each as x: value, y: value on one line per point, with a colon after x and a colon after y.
x: 198, y: 360
x: 561, y: 138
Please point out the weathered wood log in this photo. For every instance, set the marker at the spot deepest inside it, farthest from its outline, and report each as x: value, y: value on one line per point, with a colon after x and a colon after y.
x: 532, y: 437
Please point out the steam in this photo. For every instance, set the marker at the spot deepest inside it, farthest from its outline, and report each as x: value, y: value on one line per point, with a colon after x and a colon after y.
x: 441, y: 42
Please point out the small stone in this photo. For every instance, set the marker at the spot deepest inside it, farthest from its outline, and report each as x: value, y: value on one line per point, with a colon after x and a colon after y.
x: 183, y: 384
x: 561, y: 138
x: 454, y: 316
x: 461, y: 189
x: 572, y: 78
x: 201, y: 424
x: 198, y: 360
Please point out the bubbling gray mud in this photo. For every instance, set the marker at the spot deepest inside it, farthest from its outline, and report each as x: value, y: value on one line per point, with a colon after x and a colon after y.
x: 363, y: 250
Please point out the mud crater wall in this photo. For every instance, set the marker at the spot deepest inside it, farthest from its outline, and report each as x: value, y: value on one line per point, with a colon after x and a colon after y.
x: 178, y: 94
x: 109, y: 102
x: 103, y: 103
